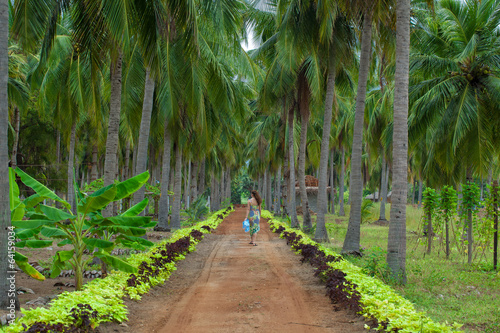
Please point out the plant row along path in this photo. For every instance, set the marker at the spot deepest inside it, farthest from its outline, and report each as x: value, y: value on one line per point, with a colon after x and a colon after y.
x: 228, y: 285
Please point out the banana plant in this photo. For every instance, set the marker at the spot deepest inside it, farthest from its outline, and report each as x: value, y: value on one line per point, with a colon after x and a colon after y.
x: 17, y: 209
x: 85, y: 230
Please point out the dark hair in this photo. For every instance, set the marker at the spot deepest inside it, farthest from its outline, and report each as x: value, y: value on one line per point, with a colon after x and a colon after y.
x: 257, y: 197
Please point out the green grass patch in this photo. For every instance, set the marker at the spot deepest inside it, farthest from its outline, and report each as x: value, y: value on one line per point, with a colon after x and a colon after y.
x: 446, y: 290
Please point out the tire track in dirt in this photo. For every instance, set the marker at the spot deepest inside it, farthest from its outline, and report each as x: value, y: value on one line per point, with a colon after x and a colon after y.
x: 228, y: 285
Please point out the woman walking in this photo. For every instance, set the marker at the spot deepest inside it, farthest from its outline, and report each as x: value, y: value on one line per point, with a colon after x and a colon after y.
x: 253, y: 215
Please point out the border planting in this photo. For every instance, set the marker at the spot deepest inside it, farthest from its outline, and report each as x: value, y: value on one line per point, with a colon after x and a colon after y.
x: 348, y: 287
x: 101, y: 300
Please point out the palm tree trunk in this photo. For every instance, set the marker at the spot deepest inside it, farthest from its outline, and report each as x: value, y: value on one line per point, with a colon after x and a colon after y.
x: 216, y: 193
x: 286, y: 181
x: 187, y: 185
x: 342, y: 183
x: 212, y: 191
x: 420, y: 186
x: 352, y: 238
x: 277, y: 193
x: 4, y: 160
x: 414, y: 192
x: 134, y: 158
x: 165, y: 175
x: 332, y: 192
x: 304, y: 122
x: 221, y: 195
x: 321, y: 235
x: 268, y: 190
x: 292, y: 210
x: 175, y: 222
x: 71, y: 165
x: 58, y: 147
x: 17, y: 123
x: 228, y: 185
x: 126, y: 171
x: 201, y: 180
x: 396, y: 244
x: 93, y: 171
x: 142, y: 147
x: 222, y: 188
x: 194, y: 181
x: 264, y: 187
x: 111, y: 161
x: 383, y: 188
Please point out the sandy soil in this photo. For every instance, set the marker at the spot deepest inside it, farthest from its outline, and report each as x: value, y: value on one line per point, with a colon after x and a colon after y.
x: 228, y: 285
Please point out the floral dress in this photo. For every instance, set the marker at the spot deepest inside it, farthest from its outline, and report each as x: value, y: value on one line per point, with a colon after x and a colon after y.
x: 254, y: 218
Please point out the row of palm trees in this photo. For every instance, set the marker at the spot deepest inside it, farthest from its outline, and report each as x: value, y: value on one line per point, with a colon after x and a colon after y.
x: 451, y: 105
x: 129, y: 74
x: 310, y: 54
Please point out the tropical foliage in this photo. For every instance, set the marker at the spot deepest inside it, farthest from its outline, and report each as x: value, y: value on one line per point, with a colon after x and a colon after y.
x: 386, y: 96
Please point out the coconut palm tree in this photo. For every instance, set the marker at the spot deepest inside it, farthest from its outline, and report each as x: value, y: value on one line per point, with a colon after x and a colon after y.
x: 352, y: 238
x: 4, y: 153
x: 396, y: 244
x: 377, y: 10
x: 339, y: 48
x: 457, y: 78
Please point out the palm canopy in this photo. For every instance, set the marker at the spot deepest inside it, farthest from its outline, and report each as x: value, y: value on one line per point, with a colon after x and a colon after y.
x: 455, y: 90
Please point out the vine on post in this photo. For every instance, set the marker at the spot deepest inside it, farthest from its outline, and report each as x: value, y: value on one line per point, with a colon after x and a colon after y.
x: 430, y: 204
x: 447, y: 209
x: 468, y: 214
x: 492, y: 206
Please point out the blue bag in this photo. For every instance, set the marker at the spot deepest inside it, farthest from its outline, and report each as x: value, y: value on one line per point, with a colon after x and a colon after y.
x: 246, y: 225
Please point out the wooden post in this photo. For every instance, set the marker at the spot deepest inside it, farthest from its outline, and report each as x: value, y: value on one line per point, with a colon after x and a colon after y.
x: 495, y: 217
x: 429, y: 233
x: 447, y: 236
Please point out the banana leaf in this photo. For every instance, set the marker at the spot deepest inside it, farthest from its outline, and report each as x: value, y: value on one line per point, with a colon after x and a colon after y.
x: 53, y: 232
x: 136, y: 209
x: 40, y: 188
x: 56, y: 268
x: 32, y: 224
x: 25, y: 233
x: 97, y: 200
x: 130, y: 221
x: 33, y: 215
x: 151, y: 224
x: 96, y: 242
x: 17, y: 208
x: 116, y: 263
x: 64, y: 242
x: 56, y: 214
x: 23, y: 264
x: 33, y: 200
x: 63, y: 256
x: 34, y: 244
x: 129, y: 231
x: 131, y: 185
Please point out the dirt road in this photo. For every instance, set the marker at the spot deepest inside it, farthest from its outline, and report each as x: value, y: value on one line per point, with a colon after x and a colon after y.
x: 228, y: 285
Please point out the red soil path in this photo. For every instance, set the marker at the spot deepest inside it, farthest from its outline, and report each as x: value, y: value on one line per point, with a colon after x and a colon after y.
x: 228, y: 285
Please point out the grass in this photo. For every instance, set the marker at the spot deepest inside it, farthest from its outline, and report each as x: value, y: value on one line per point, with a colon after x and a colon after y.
x: 446, y: 290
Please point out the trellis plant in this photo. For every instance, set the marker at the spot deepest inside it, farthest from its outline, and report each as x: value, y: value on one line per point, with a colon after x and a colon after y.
x: 82, y: 231
x: 468, y: 213
x: 430, y: 204
x: 447, y: 209
x: 492, y: 206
